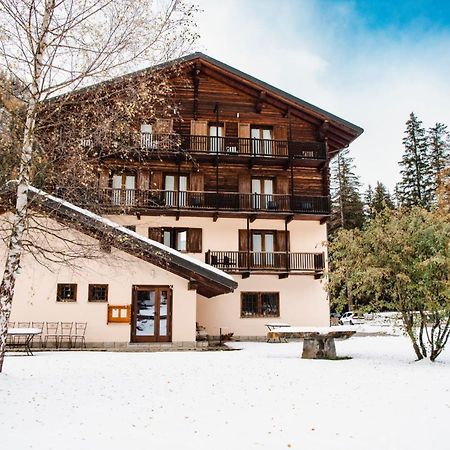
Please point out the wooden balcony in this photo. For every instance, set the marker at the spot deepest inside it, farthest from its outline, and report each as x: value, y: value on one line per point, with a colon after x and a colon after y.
x: 269, y: 262
x: 109, y: 144
x: 136, y: 199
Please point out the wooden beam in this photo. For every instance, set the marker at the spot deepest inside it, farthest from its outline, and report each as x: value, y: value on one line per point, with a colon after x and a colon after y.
x: 283, y: 275
x: 289, y: 218
x: 324, y: 220
x: 252, y: 218
x: 260, y: 101
x: 215, y: 216
x: 192, y: 285
x: 245, y: 275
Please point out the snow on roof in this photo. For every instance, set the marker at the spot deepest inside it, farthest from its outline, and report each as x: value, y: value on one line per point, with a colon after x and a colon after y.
x: 122, y: 229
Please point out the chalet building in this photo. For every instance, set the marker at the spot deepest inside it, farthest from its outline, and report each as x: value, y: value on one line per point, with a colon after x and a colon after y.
x: 237, y: 180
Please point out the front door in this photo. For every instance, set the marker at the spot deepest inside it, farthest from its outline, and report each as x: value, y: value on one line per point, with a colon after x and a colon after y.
x: 151, y: 319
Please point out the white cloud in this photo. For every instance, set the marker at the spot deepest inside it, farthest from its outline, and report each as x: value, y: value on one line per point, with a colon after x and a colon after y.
x: 327, y: 57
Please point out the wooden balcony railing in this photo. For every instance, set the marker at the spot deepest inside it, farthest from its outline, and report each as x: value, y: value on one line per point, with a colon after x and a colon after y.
x: 263, y: 148
x: 221, y: 201
x: 240, y: 261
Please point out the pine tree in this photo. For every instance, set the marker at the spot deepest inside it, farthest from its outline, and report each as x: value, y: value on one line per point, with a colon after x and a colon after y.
x: 416, y: 187
x: 368, y: 200
x: 347, y: 207
x: 381, y: 198
x: 438, y: 153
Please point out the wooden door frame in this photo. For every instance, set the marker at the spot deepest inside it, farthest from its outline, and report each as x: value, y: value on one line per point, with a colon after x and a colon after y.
x: 156, y: 338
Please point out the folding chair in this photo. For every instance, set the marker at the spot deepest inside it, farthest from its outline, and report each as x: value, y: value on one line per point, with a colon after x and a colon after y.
x: 21, y: 339
x: 80, y: 331
x: 51, y: 332
x: 10, y: 339
x: 66, y: 333
x: 39, y: 325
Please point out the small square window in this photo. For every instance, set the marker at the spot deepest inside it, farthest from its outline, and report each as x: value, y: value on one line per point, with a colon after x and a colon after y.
x: 66, y: 293
x: 98, y: 293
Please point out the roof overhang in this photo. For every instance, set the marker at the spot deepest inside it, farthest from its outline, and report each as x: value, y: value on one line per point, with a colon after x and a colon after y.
x: 208, y: 280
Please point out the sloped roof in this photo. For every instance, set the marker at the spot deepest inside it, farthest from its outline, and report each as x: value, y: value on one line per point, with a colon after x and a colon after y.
x: 352, y: 131
x: 209, y: 280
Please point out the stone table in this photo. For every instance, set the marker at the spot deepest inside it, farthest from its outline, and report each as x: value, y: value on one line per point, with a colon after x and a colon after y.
x: 318, y: 342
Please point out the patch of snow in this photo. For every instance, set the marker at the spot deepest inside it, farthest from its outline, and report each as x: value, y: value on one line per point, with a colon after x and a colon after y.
x: 262, y: 397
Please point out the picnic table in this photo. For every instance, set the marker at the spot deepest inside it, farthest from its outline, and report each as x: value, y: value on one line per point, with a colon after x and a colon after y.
x: 318, y: 342
x: 27, y: 334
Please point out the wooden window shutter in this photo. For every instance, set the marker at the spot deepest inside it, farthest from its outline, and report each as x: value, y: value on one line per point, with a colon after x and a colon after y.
x: 244, y: 183
x: 244, y: 135
x: 157, y: 180
x: 196, y: 182
x: 199, y: 127
x: 103, y: 180
x: 244, y: 130
x: 243, y: 240
x: 281, y: 241
x: 282, y: 184
x: 194, y: 240
x: 280, y: 132
x: 163, y: 126
x: 155, y: 233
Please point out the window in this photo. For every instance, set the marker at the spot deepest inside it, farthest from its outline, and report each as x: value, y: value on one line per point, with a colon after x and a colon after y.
x: 98, y: 293
x: 123, y: 189
x: 262, y: 243
x: 175, y: 187
x: 66, y: 293
x: 260, y: 304
x: 261, y: 140
x: 147, y: 136
x: 262, y: 193
x: 216, y: 138
x: 181, y: 239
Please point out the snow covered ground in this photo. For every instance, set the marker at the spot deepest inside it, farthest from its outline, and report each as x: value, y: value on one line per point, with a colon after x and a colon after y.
x: 263, y: 397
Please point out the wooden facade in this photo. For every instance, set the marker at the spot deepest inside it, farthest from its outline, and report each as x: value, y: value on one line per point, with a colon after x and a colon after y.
x: 236, y: 148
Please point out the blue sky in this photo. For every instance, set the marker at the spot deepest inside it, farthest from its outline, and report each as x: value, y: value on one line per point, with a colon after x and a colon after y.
x: 371, y: 62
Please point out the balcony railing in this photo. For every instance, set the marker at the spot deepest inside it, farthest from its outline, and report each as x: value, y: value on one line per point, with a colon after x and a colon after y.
x: 220, y: 201
x: 241, y: 261
x: 233, y: 146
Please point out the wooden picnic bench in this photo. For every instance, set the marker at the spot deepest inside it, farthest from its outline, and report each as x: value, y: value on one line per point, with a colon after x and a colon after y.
x: 318, y: 342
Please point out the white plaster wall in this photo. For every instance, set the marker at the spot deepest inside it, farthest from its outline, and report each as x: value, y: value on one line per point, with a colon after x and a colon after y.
x: 303, y: 302
x: 35, y: 294
x: 305, y: 235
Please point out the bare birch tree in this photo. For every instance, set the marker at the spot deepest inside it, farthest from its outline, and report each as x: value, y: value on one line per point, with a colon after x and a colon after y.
x: 52, y: 47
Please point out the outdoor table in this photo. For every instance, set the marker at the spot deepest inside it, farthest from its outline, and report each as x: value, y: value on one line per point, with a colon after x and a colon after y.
x: 273, y: 336
x: 318, y: 342
x: 28, y: 334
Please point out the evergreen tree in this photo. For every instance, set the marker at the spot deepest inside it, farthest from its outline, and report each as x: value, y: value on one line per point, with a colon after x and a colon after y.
x: 381, y: 198
x: 347, y: 207
x: 438, y: 153
x: 368, y: 200
x: 416, y: 187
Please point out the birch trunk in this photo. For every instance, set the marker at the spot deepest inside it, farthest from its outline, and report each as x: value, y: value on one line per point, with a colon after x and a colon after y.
x: 15, y: 248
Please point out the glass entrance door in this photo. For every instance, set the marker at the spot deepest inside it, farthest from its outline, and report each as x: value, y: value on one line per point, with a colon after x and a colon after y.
x: 151, y: 318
